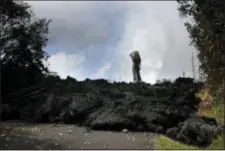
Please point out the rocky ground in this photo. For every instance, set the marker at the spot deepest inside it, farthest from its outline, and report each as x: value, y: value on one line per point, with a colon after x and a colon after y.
x: 168, y: 108
x: 17, y: 135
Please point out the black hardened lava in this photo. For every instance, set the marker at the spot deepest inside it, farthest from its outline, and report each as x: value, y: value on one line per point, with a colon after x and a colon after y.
x: 168, y: 108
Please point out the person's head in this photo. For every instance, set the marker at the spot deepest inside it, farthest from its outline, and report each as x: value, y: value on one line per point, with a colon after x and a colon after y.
x: 133, y: 53
x: 135, y: 57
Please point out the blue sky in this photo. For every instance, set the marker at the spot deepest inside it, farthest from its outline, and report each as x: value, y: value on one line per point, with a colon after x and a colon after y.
x: 94, y: 39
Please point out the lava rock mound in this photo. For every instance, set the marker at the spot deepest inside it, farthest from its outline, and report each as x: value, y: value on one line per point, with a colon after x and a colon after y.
x: 166, y: 108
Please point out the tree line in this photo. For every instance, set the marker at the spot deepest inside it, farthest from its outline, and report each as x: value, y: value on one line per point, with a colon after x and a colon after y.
x: 206, y: 27
x: 22, y: 39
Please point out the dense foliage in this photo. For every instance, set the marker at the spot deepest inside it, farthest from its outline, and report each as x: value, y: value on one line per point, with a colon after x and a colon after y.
x: 206, y: 27
x: 22, y: 39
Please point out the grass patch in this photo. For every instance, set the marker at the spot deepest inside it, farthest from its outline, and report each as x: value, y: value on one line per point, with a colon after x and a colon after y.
x: 163, y: 142
x: 218, y: 143
x: 216, y: 112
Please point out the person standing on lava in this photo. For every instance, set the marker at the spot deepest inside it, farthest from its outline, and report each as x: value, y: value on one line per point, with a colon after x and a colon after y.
x: 136, y: 59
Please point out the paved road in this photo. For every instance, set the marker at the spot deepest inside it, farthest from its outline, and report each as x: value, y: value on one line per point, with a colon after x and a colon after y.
x: 15, y: 135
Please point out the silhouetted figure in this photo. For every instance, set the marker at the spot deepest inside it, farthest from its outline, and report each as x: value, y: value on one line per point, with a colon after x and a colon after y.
x: 136, y: 59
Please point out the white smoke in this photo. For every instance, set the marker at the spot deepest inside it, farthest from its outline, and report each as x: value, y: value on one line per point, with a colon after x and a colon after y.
x: 153, y: 28
x: 144, y: 30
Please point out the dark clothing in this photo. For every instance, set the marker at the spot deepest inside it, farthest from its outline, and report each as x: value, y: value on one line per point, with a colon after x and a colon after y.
x: 136, y: 66
x: 136, y: 73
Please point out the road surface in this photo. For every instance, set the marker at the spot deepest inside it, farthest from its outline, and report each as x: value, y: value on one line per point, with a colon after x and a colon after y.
x: 18, y: 135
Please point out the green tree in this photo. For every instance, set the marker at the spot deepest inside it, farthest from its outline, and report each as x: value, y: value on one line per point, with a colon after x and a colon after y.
x: 206, y: 24
x: 22, y: 39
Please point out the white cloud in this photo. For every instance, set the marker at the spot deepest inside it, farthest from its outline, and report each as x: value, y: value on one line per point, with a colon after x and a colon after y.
x: 78, y: 24
x: 153, y: 28
x: 67, y: 64
x: 101, y: 72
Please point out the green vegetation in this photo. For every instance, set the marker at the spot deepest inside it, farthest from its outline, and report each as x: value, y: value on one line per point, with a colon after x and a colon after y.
x: 22, y: 39
x: 218, y: 143
x: 207, y: 33
x: 163, y: 142
x: 217, y: 112
x: 207, y: 108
